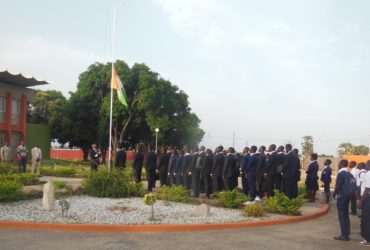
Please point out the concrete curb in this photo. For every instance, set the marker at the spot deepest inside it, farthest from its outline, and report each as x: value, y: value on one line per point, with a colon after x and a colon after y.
x: 159, y: 228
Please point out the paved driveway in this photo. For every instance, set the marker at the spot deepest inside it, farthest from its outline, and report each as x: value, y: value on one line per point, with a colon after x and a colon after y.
x: 315, y: 234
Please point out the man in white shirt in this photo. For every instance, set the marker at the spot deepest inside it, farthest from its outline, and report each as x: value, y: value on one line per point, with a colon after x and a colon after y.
x: 364, y: 204
x: 36, y: 160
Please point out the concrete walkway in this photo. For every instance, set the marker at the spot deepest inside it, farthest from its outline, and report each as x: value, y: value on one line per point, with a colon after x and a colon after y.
x: 315, y: 234
x: 36, y: 190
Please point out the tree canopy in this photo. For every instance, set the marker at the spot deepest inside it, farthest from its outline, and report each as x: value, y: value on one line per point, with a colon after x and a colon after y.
x: 307, y: 145
x: 153, y: 103
x: 47, y: 108
x: 348, y: 148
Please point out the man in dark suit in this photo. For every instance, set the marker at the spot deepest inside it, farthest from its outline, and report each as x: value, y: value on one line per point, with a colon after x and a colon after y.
x: 271, y: 169
x: 202, y: 154
x: 172, y: 164
x: 290, y: 172
x: 341, y: 191
x: 178, y: 172
x: 187, y: 168
x: 151, y: 166
x: 244, y: 165
x: 196, y: 165
x: 251, y: 171
x: 297, y: 171
x: 280, y: 163
x: 137, y: 164
x: 228, y: 171
x: 206, y: 172
x: 218, y: 164
x: 162, y: 167
x: 260, y: 178
x: 120, y: 159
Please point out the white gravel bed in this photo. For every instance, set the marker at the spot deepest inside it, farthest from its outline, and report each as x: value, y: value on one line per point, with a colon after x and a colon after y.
x: 90, y: 210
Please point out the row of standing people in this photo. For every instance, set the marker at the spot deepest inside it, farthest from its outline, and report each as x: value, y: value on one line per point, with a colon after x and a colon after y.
x: 352, y: 189
x: 207, y: 171
x: 22, y: 152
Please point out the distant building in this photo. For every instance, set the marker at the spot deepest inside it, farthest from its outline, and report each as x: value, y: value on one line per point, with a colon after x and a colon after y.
x: 15, y: 95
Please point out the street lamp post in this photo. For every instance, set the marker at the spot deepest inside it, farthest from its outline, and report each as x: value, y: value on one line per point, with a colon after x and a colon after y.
x: 156, y: 139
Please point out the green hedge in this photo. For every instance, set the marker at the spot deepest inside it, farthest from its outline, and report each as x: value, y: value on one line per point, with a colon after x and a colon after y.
x: 25, y: 179
x: 111, y: 184
x: 59, y: 171
x: 8, y: 168
x: 10, y: 191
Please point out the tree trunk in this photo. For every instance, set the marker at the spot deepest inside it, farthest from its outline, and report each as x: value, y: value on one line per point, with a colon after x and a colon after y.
x: 85, y: 152
x: 103, y: 156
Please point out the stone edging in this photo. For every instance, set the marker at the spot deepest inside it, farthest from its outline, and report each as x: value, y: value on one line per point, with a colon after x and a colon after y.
x: 160, y: 227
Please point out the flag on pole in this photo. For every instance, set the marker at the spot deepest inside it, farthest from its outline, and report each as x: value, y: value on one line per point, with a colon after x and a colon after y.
x: 117, y: 85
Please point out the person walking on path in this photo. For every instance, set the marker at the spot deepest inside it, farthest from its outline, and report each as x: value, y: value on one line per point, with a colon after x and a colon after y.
x: 342, y: 192
x: 36, y: 159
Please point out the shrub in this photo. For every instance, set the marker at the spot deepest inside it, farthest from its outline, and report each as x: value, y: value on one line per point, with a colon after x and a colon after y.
x: 25, y: 179
x: 110, y: 184
x: 174, y: 193
x: 282, y: 204
x: 165, y: 195
x: 60, y: 184
x: 10, y: 191
x: 59, y: 171
x: 302, y: 190
x: 179, y: 194
x: 232, y: 199
x: 8, y: 168
x: 254, y: 210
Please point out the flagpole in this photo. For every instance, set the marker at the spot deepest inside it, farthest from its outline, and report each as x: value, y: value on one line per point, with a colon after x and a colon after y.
x: 111, y: 90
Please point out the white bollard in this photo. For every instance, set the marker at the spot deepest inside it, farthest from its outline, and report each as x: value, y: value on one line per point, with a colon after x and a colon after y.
x: 48, y: 196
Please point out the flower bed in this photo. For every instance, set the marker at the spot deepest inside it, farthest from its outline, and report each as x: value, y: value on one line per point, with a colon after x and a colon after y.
x: 90, y: 210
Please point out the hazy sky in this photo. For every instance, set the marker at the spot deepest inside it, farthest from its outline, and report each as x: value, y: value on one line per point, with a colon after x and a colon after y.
x: 271, y: 71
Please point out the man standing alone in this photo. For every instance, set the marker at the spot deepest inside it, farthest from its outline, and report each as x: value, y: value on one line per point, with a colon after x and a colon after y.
x: 36, y: 160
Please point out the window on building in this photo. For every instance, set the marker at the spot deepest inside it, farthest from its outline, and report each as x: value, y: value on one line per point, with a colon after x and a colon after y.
x: 2, y: 109
x: 16, y: 111
x: 15, y: 139
x: 2, y: 138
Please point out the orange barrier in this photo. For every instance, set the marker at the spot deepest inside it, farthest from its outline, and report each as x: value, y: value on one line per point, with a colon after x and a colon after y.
x: 75, y: 154
x: 161, y: 227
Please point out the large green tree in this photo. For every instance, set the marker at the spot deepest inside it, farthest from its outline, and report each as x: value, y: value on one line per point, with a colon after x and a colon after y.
x: 47, y: 108
x: 153, y: 103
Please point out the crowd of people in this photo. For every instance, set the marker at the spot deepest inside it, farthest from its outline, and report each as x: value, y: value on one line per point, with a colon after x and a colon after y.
x: 261, y: 171
x: 352, y: 189
x: 205, y: 171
